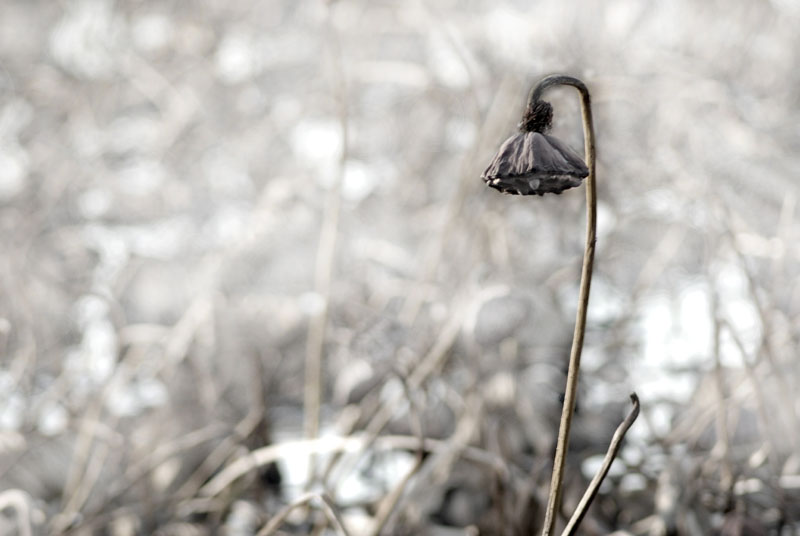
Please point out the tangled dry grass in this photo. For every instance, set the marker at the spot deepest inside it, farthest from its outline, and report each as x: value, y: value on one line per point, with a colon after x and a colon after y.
x: 203, y: 202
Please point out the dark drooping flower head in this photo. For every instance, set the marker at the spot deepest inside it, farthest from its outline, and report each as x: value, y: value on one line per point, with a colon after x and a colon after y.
x: 533, y: 162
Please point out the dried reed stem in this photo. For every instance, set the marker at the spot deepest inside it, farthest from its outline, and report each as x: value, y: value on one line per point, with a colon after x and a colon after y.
x: 554, y: 498
x: 323, y: 272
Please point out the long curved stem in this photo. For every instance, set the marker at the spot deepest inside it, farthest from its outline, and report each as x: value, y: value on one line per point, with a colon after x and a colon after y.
x: 554, y: 498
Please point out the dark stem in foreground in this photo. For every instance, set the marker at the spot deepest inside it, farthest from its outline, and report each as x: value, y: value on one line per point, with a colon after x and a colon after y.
x: 554, y: 498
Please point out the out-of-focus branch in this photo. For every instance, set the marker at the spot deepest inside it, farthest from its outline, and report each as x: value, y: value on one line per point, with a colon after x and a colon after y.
x: 326, y: 445
x: 323, y: 272
x: 327, y: 506
x: 21, y: 502
x: 723, y: 439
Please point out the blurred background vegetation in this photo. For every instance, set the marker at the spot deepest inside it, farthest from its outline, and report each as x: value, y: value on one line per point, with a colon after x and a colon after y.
x: 198, y: 198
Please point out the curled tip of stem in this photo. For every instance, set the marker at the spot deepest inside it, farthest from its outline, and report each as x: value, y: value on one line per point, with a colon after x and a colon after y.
x: 611, y: 454
x: 555, y: 80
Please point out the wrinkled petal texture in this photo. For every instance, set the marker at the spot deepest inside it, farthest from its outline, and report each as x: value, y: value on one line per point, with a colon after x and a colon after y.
x: 534, y: 163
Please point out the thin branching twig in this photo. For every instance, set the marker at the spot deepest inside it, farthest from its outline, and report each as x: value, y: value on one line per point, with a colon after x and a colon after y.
x: 428, y: 365
x: 326, y: 445
x: 388, y: 504
x: 328, y: 507
x: 611, y: 454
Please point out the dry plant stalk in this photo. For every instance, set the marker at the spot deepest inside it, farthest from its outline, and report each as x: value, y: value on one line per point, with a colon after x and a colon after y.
x: 554, y: 498
x: 533, y: 163
x: 611, y: 453
x: 323, y: 269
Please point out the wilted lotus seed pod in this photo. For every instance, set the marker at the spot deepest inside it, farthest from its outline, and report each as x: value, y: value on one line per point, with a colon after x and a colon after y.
x: 533, y: 162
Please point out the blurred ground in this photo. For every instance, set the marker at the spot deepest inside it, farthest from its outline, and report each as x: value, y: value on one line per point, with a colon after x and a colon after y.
x: 196, y: 198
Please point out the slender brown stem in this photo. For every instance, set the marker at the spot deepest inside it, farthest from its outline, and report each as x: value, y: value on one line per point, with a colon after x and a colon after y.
x: 611, y: 453
x: 323, y: 269
x: 554, y: 498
